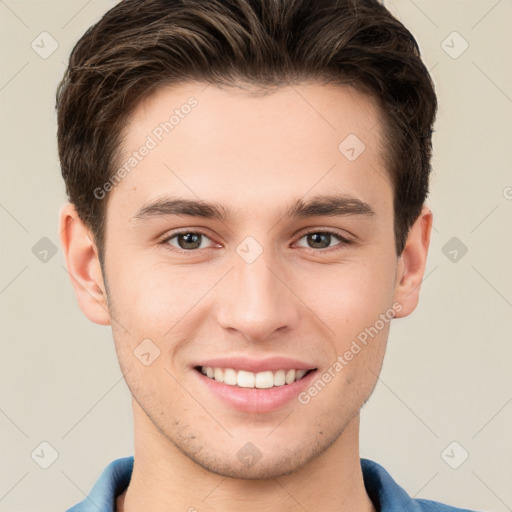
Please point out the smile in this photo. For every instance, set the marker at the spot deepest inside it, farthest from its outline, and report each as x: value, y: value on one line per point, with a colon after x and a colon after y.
x: 245, y: 379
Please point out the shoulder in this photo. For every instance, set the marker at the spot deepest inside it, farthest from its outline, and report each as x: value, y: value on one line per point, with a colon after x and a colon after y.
x: 435, y: 506
x: 112, y: 481
x: 388, y: 496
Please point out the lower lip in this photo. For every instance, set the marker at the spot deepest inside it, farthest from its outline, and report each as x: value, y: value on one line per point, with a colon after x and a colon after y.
x: 253, y: 399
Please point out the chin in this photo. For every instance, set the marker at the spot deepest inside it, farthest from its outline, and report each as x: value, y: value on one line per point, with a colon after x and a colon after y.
x: 261, y: 469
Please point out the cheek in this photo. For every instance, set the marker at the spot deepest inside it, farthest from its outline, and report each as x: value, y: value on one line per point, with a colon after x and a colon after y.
x: 350, y: 296
x: 154, y: 298
x: 157, y: 313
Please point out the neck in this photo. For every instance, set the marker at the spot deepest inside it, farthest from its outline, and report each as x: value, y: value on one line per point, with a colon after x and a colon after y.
x: 164, y: 479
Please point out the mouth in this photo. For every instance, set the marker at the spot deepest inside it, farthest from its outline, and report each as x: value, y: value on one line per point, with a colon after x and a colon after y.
x: 254, y: 385
x: 261, y: 380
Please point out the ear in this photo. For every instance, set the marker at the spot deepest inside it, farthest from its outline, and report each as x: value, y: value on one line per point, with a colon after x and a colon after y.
x: 83, y: 265
x: 411, y: 264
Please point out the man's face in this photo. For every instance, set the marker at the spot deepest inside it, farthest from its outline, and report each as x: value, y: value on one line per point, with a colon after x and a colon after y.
x: 258, y: 284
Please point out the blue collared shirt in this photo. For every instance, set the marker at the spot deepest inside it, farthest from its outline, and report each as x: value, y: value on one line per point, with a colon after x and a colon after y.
x: 385, y: 493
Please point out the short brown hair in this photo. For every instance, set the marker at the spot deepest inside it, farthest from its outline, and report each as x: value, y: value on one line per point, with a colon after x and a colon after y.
x: 138, y: 46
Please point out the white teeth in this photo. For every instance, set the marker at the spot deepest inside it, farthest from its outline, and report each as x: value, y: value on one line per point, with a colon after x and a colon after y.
x: 299, y: 374
x: 230, y: 377
x: 290, y: 376
x: 264, y: 380
x: 218, y: 374
x: 279, y: 378
x: 244, y: 379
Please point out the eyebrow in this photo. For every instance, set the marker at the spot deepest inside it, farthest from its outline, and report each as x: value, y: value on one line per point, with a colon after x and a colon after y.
x: 324, y: 205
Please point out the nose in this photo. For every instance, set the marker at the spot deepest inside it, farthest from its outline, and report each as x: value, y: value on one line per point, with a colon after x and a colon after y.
x: 257, y: 299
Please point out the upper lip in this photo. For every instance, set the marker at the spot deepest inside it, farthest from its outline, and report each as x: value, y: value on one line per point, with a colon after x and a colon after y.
x: 257, y: 365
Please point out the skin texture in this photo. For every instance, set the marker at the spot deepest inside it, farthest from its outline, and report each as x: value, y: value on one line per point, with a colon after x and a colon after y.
x: 254, y: 155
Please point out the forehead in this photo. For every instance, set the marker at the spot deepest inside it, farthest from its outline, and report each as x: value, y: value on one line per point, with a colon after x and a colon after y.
x: 308, y: 110
x: 229, y: 145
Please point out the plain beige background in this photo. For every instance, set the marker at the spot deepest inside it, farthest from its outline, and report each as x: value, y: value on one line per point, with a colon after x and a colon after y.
x: 447, y: 374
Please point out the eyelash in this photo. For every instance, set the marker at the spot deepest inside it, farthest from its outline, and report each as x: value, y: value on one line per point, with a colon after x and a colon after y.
x: 343, y: 240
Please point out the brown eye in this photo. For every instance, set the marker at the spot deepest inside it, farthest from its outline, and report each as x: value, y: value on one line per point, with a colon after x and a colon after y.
x: 186, y: 241
x: 322, y: 239
x: 318, y: 240
x: 189, y: 240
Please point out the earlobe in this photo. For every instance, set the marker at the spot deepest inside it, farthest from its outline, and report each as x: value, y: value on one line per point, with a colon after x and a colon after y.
x: 83, y: 265
x: 412, y: 262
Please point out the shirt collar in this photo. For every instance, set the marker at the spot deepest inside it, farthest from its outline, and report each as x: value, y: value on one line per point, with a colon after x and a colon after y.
x: 113, y: 480
x: 385, y: 493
